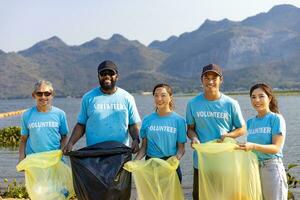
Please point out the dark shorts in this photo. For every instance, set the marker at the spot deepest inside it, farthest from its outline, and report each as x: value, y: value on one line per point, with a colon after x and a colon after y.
x: 196, y: 185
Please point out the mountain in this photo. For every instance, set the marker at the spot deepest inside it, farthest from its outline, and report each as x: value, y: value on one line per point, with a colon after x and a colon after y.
x: 264, y: 47
x: 73, y: 69
x: 254, y: 43
x: 17, y: 72
x: 278, y: 18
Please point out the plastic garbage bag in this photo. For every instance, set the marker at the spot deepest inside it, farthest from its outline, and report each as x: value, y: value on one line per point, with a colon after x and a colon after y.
x: 46, y: 176
x: 156, y: 179
x: 98, y: 171
x: 226, y: 173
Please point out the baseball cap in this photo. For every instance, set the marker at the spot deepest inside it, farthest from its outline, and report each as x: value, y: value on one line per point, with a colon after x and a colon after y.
x: 107, y: 64
x: 212, y: 68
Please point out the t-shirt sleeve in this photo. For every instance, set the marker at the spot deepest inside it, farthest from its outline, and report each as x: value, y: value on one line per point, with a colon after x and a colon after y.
x: 63, y: 129
x: 189, y: 117
x: 134, y: 116
x: 181, y: 137
x: 24, y: 119
x: 238, y: 119
x: 279, y: 126
x: 143, y: 129
x: 82, y: 116
x: 248, y: 124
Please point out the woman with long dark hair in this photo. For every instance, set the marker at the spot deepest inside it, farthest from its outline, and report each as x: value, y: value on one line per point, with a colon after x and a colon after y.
x: 266, y: 136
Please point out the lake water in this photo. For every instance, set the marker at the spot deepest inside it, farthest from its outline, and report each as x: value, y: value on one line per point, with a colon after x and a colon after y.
x: 289, y: 106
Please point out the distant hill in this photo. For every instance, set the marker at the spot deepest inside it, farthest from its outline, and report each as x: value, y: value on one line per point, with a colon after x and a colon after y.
x: 73, y: 69
x: 264, y: 47
x: 253, y: 41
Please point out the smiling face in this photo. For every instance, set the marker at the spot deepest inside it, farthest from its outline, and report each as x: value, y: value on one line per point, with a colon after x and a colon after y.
x: 260, y: 101
x: 107, y: 80
x: 162, y: 99
x: 211, y: 82
x: 43, y: 96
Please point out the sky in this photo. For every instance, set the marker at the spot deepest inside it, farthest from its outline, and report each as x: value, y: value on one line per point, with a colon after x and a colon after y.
x: 26, y: 22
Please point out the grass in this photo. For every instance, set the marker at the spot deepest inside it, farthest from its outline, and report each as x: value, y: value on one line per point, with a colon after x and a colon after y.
x: 10, y: 136
x: 13, y: 190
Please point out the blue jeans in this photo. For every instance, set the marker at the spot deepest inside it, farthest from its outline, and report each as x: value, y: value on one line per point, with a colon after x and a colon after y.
x: 273, y: 179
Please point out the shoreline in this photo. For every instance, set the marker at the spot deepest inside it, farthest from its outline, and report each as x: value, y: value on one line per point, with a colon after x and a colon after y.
x: 280, y: 92
x: 235, y: 93
x: 187, y: 191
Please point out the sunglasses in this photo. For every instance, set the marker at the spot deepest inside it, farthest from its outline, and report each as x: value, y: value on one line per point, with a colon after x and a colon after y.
x: 107, y: 72
x: 46, y: 94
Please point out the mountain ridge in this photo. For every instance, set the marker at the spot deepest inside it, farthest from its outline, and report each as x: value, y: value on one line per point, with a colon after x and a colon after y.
x: 255, y: 49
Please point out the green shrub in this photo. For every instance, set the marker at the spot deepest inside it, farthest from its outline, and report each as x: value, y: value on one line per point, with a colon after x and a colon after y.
x: 14, y: 190
x: 291, y: 180
x: 17, y: 190
x: 10, y: 136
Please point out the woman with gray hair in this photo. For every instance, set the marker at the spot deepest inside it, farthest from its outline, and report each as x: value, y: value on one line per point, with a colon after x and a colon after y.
x: 43, y: 127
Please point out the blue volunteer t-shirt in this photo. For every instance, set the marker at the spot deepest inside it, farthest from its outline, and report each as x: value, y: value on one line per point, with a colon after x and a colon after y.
x: 213, y: 118
x: 163, y: 133
x: 44, y: 129
x: 106, y: 117
x: 261, y: 131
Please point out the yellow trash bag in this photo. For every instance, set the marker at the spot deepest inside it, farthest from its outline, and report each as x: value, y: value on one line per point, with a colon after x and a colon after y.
x: 226, y: 173
x: 156, y: 179
x: 46, y: 176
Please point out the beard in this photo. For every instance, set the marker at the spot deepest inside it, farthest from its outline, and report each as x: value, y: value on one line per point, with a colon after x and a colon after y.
x: 106, y: 86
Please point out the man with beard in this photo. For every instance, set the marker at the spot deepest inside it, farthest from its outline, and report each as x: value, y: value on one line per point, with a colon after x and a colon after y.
x: 107, y: 112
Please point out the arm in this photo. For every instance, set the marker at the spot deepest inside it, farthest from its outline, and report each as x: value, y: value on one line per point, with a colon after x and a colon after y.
x: 273, y: 148
x: 134, y: 133
x: 22, y: 146
x: 142, y: 151
x: 191, y: 133
x: 63, y: 141
x: 180, y: 150
x: 77, y: 133
x: 63, y: 130
x: 235, y: 133
x: 238, y: 121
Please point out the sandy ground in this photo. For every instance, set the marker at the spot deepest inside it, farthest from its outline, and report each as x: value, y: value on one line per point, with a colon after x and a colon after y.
x: 187, y: 195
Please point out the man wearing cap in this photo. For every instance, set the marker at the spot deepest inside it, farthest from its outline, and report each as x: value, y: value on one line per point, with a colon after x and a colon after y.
x: 107, y: 112
x: 212, y: 115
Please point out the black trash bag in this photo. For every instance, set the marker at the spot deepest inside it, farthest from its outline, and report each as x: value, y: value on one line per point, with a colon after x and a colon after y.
x: 98, y: 172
